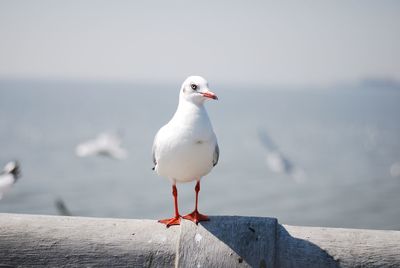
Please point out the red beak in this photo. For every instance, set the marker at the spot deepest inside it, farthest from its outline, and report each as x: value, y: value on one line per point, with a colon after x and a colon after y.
x: 209, y: 94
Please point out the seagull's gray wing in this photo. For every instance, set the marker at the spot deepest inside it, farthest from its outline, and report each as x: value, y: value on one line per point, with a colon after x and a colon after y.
x: 154, y: 155
x: 216, y: 155
x: 266, y: 140
x: 153, y: 151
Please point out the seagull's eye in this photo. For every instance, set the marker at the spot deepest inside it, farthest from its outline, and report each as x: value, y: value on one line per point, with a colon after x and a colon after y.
x: 193, y: 86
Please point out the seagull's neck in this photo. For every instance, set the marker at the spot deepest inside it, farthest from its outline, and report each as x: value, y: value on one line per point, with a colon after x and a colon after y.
x: 188, y: 111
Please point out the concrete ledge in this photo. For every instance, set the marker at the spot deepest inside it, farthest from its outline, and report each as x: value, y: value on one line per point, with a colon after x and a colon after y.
x: 225, y: 241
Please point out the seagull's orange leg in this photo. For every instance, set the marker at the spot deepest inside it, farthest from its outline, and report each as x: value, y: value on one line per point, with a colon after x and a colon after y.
x: 195, y: 216
x: 177, y: 219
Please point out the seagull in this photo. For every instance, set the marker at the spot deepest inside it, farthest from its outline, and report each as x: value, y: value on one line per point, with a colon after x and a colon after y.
x: 8, y: 177
x: 62, y: 208
x: 105, y: 144
x: 277, y: 161
x: 186, y: 148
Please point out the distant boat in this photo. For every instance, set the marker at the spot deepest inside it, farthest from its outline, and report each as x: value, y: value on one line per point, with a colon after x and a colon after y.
x: 8, y: 177
x: 277, y: 162
x: 105, y: 144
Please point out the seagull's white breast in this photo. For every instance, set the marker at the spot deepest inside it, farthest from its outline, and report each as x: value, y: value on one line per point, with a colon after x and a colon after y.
x: 185, y: 146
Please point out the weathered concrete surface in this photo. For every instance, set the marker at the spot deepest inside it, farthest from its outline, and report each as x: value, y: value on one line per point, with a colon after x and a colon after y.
x: 54, y: 241
x: 224, y: 241
x: 228, y: 241
x: 347, y: 247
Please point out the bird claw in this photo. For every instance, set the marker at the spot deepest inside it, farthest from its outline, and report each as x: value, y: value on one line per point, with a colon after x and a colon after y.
x: 172, y: 221
x: 196, y: 217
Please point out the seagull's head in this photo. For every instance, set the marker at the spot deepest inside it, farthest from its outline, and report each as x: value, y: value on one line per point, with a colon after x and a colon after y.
x: 195, y: 89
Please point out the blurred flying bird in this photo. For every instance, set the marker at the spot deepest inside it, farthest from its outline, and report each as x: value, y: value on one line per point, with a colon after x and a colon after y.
x: 8, y: 177
x: 105, y: 144
x: 186, y: 148
x: 277, y: 161
x: 62, y: 208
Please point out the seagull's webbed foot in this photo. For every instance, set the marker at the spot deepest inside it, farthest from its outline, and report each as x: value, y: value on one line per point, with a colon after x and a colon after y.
x: 172, y: 221
x: 196, y: 217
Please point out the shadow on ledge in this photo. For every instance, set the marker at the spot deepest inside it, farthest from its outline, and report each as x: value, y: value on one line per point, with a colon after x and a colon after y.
x: 254, y: 241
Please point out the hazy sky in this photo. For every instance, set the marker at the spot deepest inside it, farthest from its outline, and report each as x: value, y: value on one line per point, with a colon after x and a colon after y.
x: 289, y: 43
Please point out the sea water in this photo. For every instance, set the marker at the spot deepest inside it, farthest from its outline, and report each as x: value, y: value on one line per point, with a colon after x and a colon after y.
x: 344, y: 141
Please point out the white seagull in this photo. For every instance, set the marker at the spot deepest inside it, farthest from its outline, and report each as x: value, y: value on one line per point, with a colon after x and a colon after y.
x: 8, y: 177
x: 106, y: 144
x: 186, y: 148
x: 277, y: 161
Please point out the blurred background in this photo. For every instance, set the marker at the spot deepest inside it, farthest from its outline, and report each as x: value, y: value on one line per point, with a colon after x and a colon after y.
x: 307, y: 121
